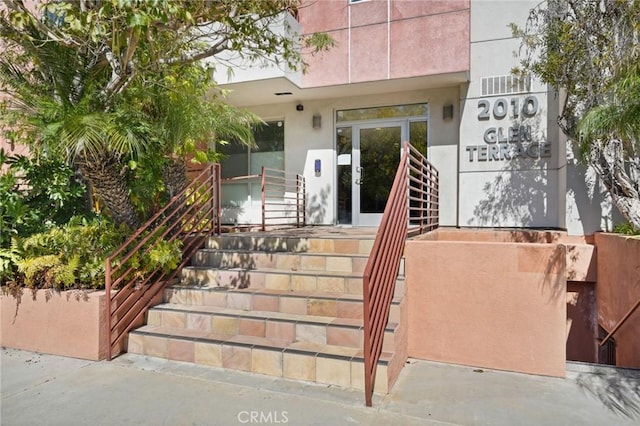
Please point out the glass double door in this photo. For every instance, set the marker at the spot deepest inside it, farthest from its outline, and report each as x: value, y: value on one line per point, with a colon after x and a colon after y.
x: 368, y: 157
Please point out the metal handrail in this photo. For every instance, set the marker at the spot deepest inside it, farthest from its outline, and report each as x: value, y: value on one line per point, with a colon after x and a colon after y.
x: 283, y: 182
x: 239, y: 178
x: 191, y: 216
x: 282, y: 195
x: 620, y: 323
x: 412, y: 208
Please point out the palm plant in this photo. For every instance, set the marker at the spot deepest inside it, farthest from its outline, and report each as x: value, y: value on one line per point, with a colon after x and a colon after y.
x: 98, y: 143
x: 107, y: 85
x: 52, y: 105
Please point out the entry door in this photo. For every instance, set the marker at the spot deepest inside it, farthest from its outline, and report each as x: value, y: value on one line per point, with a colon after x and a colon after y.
x: 376, y: 155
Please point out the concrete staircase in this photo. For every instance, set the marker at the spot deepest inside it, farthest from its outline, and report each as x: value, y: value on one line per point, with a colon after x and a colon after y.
x: 274, y: 304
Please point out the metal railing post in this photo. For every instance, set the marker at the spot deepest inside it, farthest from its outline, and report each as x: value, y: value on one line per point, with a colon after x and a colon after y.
x: 297, y: 201
x: 212, y: 194
x: 107, y: 288
x: 263, y: 199
x: 437, y: 197
x: 423, y: 201
x: 304, y: 201
x: 218, y: 173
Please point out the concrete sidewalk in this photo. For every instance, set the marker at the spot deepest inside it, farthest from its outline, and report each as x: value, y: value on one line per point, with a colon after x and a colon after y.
x: 135, y: 390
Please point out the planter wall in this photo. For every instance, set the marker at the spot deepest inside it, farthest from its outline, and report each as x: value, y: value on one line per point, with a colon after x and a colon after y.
x: 488, y: 299
x: 70, y: 323
x: 618, y: 289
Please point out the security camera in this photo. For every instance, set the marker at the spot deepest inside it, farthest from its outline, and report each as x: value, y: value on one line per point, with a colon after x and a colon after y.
x: 299, y: 107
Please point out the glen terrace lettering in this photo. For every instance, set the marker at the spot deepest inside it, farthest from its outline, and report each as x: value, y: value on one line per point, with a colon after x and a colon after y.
x: 505, y: 151
x: 508, y: 143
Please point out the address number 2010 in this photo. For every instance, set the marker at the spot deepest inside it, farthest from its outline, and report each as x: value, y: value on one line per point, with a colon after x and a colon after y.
x: 501, y: 108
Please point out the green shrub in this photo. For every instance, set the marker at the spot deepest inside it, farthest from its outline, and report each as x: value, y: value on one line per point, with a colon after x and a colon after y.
x: 166, y: 256
x: 37, y: 194
x: 49, y: 271
x: 68, y: 256
x: 626, y: 229
x: 73, y: 256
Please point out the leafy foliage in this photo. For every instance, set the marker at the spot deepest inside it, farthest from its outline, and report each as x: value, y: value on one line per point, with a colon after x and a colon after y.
x: 112, y: 85
x: 48, y: 271
x: 182, y: 120
x: 120, y: 91
x: 626, y: 229
x: 36, y: 194
x: 165, y: 256
x: 73, y: 256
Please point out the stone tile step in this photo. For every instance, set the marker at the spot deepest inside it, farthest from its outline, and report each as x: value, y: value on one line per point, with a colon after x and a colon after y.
x: 246, y: 259
x: 332, y: 365
x: 273, y: 325
x: 338, y: 305
x: 284, y: 243
x: 278, y: 279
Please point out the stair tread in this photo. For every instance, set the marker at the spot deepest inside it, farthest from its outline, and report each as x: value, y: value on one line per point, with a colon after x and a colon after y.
x: 281, y: 316
x: 314, y: 349
x: 303, y: 235
x: 282, y: 253
x: 272, y: 292
x: 310, y: 272
x: 305, y: 272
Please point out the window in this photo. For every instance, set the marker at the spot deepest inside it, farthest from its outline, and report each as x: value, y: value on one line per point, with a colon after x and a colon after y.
x: 243, y: 161
x: 268, y: 152
x: 382, y: 113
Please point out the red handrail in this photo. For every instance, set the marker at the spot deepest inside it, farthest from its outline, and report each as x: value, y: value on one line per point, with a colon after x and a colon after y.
x: 619, y: 324
x: 412, y: 207
x: 191, y: 216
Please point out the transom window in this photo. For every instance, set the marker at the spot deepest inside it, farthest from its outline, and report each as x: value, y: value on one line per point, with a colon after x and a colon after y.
x: 381, y: 113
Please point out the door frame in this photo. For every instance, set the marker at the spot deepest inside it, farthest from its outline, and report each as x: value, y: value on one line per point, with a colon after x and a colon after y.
x: 355, y: 125
x: 368, y: 219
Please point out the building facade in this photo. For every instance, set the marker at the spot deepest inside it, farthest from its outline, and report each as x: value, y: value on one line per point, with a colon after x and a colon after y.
x: 435, y: 73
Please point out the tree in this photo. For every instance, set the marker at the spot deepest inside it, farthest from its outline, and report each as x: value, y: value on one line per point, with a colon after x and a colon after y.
x: 53, y: 107
x: 72, y: 68
x: 590, y: 52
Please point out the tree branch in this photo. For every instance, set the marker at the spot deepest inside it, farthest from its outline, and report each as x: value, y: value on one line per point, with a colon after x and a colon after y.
x: 58, y: 37
x: 187, y: 58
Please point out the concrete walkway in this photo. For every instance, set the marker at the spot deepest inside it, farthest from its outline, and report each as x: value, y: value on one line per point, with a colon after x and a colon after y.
x: 135, y: 390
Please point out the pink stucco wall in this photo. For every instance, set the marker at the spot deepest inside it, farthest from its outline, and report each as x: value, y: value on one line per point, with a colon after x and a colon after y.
x: 618, y: 289
x: 368, y: 53
x: 331, y: 67
x: 498, y: 303
x: 67, y: 323
x: 430, y: 45
x: 378, y: 40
